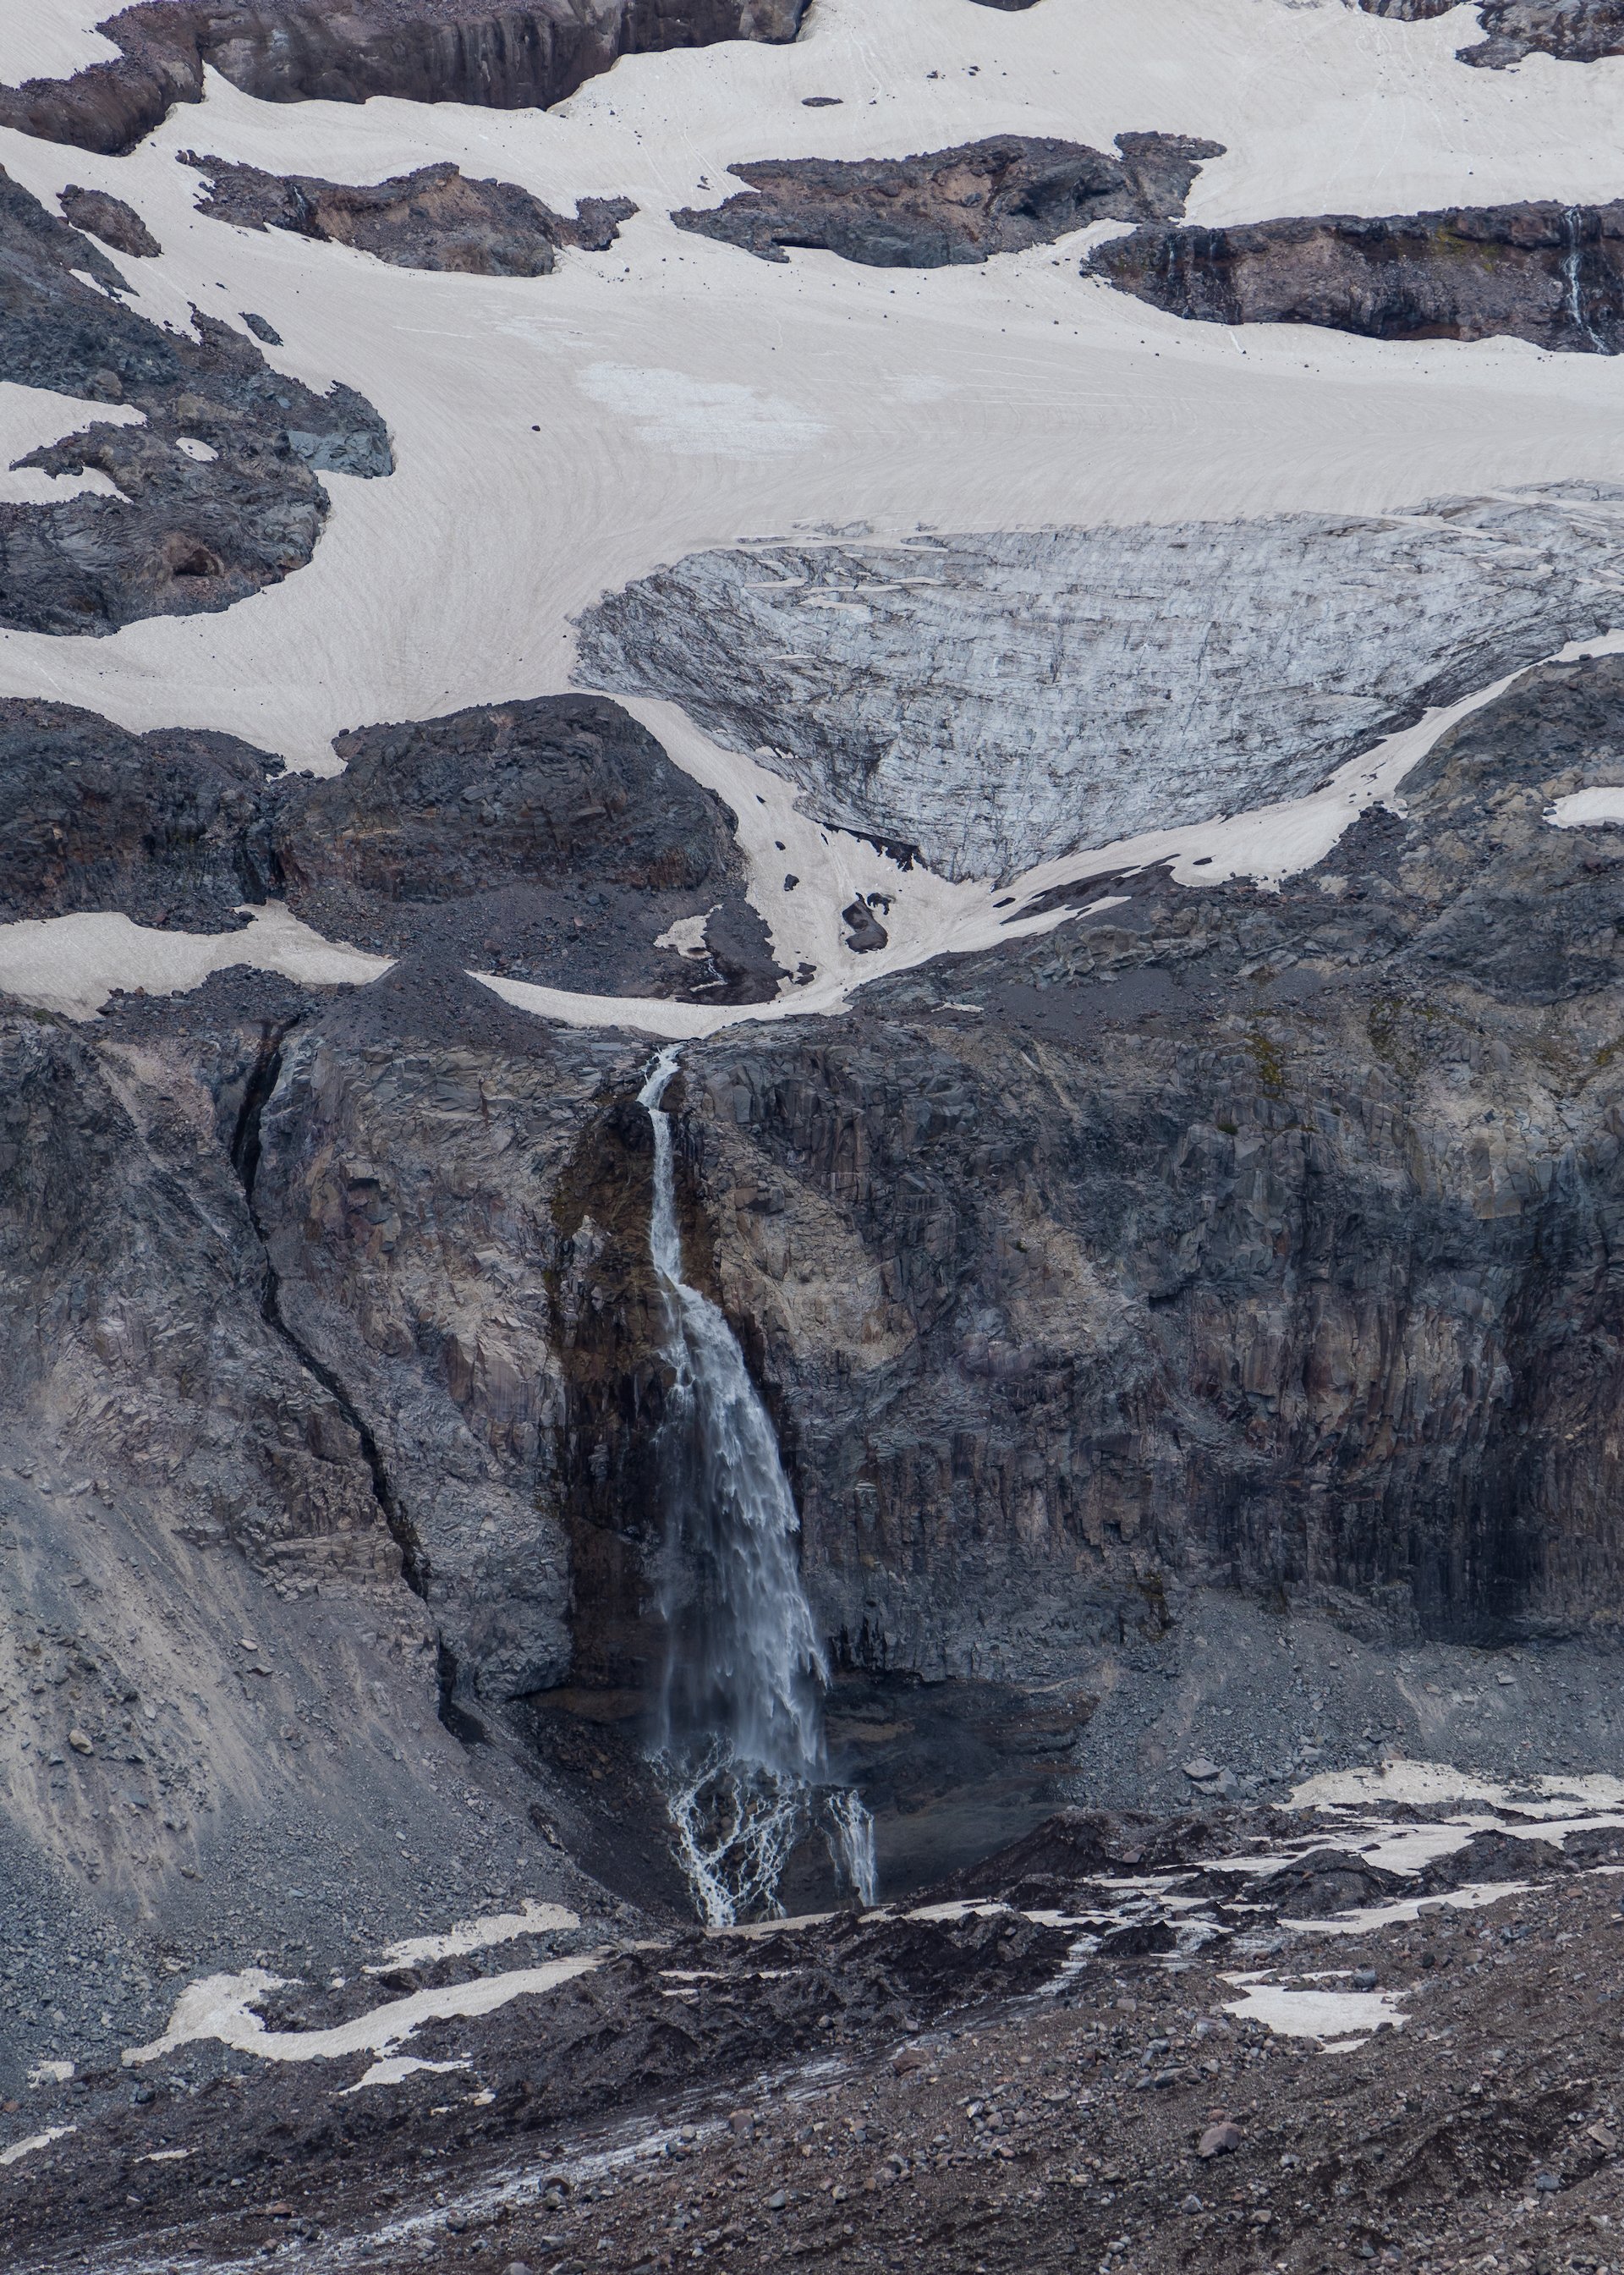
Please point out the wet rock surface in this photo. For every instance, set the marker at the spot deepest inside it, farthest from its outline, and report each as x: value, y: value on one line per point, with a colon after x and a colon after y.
x: 193, y: 528
x: 414, y: 51
x: 1572, y: 31
x: 998, y: 699
x: 1548, y: 274
x: 949, y: 206
x: 435, y: 218
x: 1154, y: 1209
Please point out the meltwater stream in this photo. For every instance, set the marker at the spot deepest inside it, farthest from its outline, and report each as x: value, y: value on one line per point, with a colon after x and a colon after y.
x: 741, y: 1747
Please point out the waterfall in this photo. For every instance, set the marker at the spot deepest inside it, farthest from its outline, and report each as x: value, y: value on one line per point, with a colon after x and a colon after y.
x: 741, y: 1742
x: 1572, y: 223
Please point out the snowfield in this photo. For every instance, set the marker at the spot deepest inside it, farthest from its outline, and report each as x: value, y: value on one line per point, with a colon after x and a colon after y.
x: 560, y: 438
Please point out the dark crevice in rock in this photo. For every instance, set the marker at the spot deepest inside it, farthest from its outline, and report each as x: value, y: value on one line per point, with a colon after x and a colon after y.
x: 464, y: 1726
x: 1572, y: 31
x: 943, y: 207
x: 245, y: 1152
x: 515, y: 58
x: 1550, y: 274
x: 191, y: 531
x: 435, y: 218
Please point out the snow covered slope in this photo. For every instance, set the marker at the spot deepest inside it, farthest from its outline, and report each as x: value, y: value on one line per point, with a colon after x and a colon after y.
x: 562, y: 441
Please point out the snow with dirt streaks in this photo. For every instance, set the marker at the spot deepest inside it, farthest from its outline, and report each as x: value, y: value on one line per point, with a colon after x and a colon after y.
x: 222, y: 2007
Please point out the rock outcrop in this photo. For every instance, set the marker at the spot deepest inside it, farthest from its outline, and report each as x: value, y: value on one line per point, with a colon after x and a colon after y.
x: 196, y: 527
x: 551, y: 840
x: 156, y: 826
x: 1552, y: 275
x: 951, y: 205
x: 506, y: 58
x: 111, y: 220
x: 1572, y: 31
x: 999, y: 699
x: 434, y: 218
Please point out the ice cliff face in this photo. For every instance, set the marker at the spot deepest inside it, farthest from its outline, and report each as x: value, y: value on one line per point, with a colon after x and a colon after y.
x: 1002, y: 698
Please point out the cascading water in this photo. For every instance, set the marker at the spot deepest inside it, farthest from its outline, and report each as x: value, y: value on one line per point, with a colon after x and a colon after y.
x: 741, y: 1744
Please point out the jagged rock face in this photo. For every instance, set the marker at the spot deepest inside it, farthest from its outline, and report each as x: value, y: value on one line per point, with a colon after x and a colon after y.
x: 434, y: 218
x: 1573, y: 31
x: 952, y: 205
x: 998, y: 699
x: 133, y: 1313
x: 154, y: 825
x: 406, y: 1197
x: 1550, y: 274
x: 552, y: 839
x: 190, y: 533
x: 109, y: 218
x: 1256, y: 1238
x: 507, y: 58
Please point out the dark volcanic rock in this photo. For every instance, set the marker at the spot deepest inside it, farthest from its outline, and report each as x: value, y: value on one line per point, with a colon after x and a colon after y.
x: 154, y: 825
x: 552, y: 840
x: 109, y: 218
x: 507, y: 58
x: 1551, y: 274
x: 189, y: 533
x: 1251, y: 1237
x: 1573, y: 31
x: 947, y: 206
x: 434, y: 218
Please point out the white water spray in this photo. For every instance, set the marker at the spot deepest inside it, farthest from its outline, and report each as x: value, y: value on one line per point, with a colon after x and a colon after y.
x: 742, y: 1742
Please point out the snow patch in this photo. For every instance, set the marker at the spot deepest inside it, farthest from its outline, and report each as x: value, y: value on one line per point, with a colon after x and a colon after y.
x: 1312, y: 2014
x: 532, y: 1918
x: 221, y: 2007
x: 72, y: 964
x: 700, y: 418
x: 1583, y: 808
x: 19, y: 2149
x: 395, y: 2067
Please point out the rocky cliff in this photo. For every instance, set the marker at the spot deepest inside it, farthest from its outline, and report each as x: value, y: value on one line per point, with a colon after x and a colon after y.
x: 951, y: 205
x: 1548, y: 274
x: 1218, y: 1240
x: 509, y: 58
x: 1258, y: 1238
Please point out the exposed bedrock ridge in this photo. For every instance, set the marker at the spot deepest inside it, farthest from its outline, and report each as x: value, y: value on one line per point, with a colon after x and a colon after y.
x: 434, y: 218
x: 942, y: 206
x: 1550, y: 274
x: 1262, y: 1239
x: 190, y: 533
x: 1573, y: 31
x: 998, y: 699
x: 511, y: 58
x: 552, y: 840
